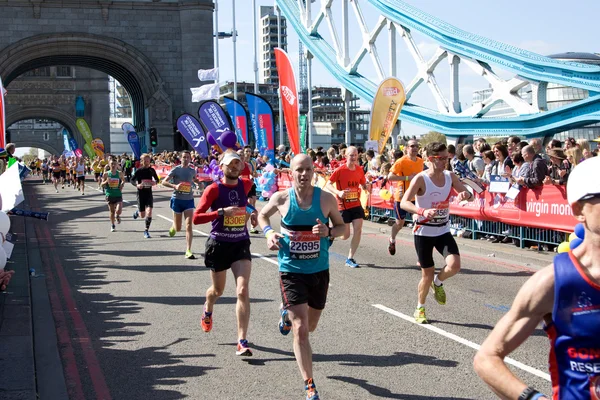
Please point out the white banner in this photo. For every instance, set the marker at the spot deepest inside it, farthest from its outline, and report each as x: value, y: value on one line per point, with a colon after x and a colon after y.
x: 208, y: 74
x: 205, y: 92
x: 11, y: 191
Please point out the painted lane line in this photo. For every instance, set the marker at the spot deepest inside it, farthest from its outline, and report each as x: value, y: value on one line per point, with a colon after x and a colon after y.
x: 462, y: 341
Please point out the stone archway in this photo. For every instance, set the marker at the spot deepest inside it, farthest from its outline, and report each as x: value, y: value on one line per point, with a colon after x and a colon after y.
x: 112, y: 56
x: 44, y: 146
x: 55, y: 114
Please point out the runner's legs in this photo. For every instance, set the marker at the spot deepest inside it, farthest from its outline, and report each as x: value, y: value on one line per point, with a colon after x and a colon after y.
x: 189, y: 233
x: 216, y: 289
x: 357, y: 233
x: 241, y: 271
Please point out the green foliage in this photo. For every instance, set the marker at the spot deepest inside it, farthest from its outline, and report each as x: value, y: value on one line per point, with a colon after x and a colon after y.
x: 432, y: 136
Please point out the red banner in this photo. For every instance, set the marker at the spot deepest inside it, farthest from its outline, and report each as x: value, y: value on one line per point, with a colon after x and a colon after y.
x: 289, y: 97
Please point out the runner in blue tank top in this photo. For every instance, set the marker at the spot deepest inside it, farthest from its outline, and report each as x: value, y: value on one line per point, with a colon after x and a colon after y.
x: 566, y: 296
x: 303, y: 246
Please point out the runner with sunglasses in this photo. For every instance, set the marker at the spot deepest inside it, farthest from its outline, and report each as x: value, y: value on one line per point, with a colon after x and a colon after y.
x: 431, y: 190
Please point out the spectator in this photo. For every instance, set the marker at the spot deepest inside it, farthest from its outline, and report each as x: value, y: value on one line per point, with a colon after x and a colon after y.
x: 570, y: 142
x: 475, y: 163
x: 512, y: 145
x: 490, y: 162
x: 539, y: 149
x: 518, y: 162
x: 574, y: 155
x: 586, y: 151
x: 504, y: 163
x: 537, y: 171
x: 483, y: 147
x: 398, y: 154
x: 319, y: 163
x: 559, y: 169
x: 554, y: 144
x: 451, y: 156
x: 477, y: 146
x: 521, y: 145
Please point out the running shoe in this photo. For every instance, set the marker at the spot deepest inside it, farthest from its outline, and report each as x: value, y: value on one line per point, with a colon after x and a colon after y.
x: 136, y: 214
x: 147, y: 235
x: 82, y: 193
x: 420, y: 317
x: 439, y: 293
x: 311, y: 391
x: 172, y: 232
x: 118, y: 218
x: 189, y: 255
x: 56, y: 190
x: 351, y: 263
x: 285, y: 326
x: 63, y: 186
x: 253, y: 230
x: 112, y: 228
x: 243, y: 349
x: 392, y: 247
x: 206, y: 321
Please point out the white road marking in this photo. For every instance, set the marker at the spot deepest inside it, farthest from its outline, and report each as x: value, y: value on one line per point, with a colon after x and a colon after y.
x: 460, y: 340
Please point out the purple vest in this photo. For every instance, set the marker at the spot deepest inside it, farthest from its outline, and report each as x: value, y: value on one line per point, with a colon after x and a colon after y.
x: 233, y: 228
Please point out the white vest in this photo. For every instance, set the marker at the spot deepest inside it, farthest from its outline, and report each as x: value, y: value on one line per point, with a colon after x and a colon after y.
x: 435, y: 197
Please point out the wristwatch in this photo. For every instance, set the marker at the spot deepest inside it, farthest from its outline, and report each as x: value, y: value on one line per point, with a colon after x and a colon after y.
x: 528, y: 393
x: 329, y: 232
x: 221, y: 212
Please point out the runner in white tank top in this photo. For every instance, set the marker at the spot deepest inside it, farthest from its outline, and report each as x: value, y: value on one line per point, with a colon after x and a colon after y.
x: 432, y: 189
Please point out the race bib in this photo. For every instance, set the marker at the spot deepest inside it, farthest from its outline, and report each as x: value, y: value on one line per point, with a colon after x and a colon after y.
x: 442, y: 212
x: 113, y: 183
x: 351, y: 196
x: 185, y: 187
x: 304, y: 245
x: 236, y: 222
x: 148, y: 183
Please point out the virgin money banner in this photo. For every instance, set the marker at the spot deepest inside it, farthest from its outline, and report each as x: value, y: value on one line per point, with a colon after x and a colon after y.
x: 240, y: 119
x: 134, y: 142
x: 74, y: 146
x: 289, y: 97
x: 213, y: 117
x: 261, y: 116
x: 545, y: 208
x: 192, y: 131
x: 387, y: 104
x: 2, y: 117
x: 85, y: 131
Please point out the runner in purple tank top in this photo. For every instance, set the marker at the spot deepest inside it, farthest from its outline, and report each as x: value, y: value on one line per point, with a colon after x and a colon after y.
x: 566, y: 296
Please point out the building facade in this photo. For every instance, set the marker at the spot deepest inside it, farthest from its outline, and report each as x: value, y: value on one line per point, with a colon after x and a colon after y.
x: 268, y: 42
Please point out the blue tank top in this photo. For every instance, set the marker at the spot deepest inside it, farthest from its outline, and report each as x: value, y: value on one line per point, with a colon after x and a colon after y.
x: 575, y: 332
x: 301, y: 251
x: 231, y: 228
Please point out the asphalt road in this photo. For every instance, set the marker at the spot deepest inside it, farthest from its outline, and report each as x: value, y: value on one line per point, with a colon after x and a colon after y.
x: 127, y: 312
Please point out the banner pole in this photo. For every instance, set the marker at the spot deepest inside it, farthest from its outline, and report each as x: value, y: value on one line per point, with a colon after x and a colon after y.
x: 234, y: 51
x: 279, y: 94
x: 255, y: 47
x: 217, y: 38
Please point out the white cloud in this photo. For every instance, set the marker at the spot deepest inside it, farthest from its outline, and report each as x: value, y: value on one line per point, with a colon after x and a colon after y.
x: 427, y: 49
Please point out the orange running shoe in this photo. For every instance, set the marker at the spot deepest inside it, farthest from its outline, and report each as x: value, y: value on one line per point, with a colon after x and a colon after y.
x: 206, y: 321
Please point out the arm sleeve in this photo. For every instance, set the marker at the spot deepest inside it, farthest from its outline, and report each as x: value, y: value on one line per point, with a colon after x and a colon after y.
x: 208, y: 197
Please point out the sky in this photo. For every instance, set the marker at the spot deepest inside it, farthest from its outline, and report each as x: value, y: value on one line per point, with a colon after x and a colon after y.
x: 541, y: 26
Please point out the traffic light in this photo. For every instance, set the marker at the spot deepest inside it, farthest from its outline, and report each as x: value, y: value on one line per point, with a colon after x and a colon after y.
x: 153, y: 137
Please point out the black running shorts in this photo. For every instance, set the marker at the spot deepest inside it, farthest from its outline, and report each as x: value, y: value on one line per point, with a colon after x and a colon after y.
x: 444, y: 244
x: 114, y: 199
x: 252, y: 192
x: 353, y: 213
x: 219, y: 255
x: 144, y: 199
x: 304, y: 288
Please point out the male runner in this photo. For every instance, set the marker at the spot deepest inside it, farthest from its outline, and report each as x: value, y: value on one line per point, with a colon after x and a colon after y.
x: 303, y: 257
x: 63, y: 170
x: 229, y: 243
x: 113, y: 183
x: 55, y: 172
x: 403, y: 170
x: 80, y: 171
x: 97, y: 167
x: 44, y: 171
x: 144, y: 178
x: 566, y: 297
x: 432, y: 224
x: 249, y: 172
x: 180, y: 179
x: 347, y: 179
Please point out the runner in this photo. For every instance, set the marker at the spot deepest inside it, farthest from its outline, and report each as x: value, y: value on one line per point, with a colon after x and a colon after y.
x: 144, y: 178
x: 113, y: 182
x: 432, y: 189
x: 229, y: 243
x: 303, y: 257
x: 80, y: 171
x: 63, y: 170
x: 566, y: 297
x: 403, y: 170
x: 347, y: 179
x: 44, y: 171
x: 55, y: 172
x: 250, y: 173
x: 181, y: 179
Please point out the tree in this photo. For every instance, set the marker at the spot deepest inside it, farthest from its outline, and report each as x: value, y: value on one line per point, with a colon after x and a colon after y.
x: 30, y: 156
x: 432, y: 136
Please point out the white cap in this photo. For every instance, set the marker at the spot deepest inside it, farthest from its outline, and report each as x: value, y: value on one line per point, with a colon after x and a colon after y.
x: 229, y: 157
x: 583, y: 180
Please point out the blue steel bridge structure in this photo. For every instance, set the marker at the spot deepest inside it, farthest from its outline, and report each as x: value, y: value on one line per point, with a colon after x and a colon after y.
x: 399, y: 20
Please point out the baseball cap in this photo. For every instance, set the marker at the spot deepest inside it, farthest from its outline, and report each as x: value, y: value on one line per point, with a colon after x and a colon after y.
x: 583, y: 180
x: 229, y: 157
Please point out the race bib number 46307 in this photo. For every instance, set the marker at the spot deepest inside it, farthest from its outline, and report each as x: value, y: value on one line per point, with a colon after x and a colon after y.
x: 304, y: 245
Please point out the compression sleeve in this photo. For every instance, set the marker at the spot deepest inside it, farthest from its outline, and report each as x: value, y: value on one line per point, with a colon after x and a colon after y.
x: 211, y: 193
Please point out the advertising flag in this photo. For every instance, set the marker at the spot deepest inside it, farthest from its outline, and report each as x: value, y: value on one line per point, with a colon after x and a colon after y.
x: 240, y: 119
x: 85, y: 131
x: 213, y: 117
x: 289, y: 97
x: 387, y: 104
x: 127, y: 127
x: 205, y: 92
x: 208, y: 74
x: 66, y: 141
x: 303, y: 122
x: 2, y: 117
x: 192, y: 131
x: 98, y: 147
x: 134, y: 142
x: 261, y: 116
x: 74, y: 146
